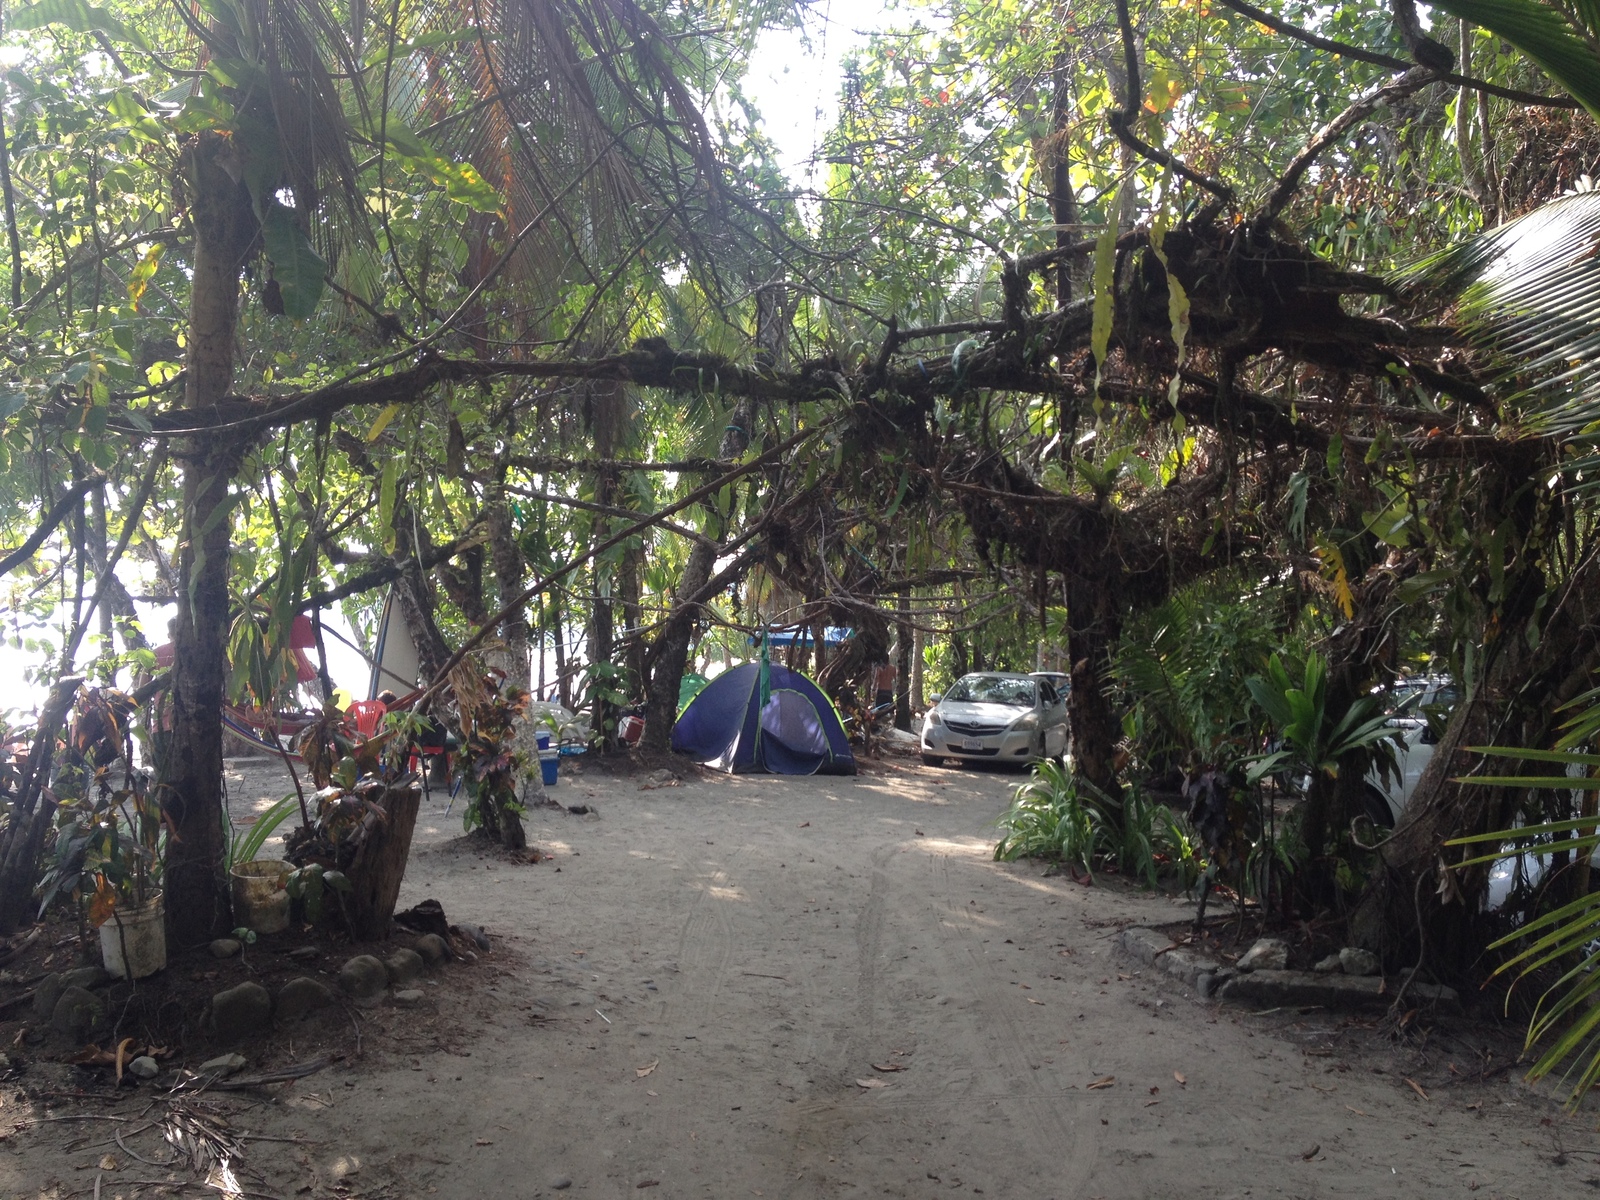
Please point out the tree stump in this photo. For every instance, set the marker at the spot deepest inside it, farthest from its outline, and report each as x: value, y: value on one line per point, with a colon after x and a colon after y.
x: 380, y: 865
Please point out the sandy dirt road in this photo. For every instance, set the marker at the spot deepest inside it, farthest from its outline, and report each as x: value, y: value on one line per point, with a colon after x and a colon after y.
x: 689, y: 1006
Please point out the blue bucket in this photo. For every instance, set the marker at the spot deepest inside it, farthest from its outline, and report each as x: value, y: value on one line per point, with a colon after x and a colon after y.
x: 550, y: 768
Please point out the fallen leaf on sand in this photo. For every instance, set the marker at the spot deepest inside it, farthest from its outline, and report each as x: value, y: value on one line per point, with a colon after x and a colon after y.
x: 1308, y: 1155
x: 108, y: 1163
x: 1414, y: 1086
x: 650, y: 1093
x: 887, y: 1067
x: 641, y: 1072
x: 871, y: 1083
x: 803, y: 825
x: 1183, y: 1080
x: 644, y: 1183
x: 1148, y: 1103
x: 1031, y: 1000
x: 92, y: 1056
x: 482, y: 1142
x: 919, y: 833
x: 1103, y: 1083
x: 122, y: 1055
x: 1355, y: 1110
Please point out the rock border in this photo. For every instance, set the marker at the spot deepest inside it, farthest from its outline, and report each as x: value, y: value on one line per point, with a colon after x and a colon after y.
x: 1270, y: 988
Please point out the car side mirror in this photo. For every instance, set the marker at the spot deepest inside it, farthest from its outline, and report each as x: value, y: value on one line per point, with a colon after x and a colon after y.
x: 937, y: 696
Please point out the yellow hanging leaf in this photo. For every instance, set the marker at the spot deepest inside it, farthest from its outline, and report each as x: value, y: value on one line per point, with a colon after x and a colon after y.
x: 1105, y: 300
x: 382, y: 422
x: 1333, y: 570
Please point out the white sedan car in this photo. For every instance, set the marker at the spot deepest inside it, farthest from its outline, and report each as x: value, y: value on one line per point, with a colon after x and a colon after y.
x: 996, y: 716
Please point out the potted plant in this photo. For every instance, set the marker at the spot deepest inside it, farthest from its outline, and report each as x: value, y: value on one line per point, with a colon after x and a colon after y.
x: 108, y: 856
x: 260, y: 885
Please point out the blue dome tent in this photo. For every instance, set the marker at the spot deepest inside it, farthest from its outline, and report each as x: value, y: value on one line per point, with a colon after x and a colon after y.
x: 764, y: 717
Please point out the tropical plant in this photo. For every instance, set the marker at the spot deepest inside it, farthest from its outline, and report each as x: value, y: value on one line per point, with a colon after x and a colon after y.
x: 1561, y: 38
x: 1315, y: 739
x: 246, y: 847
x: 1565, y: 939
x: 490, y: 760
x: 1184, y: 668
x: 1529, y: 292
x: 109, y: 834
x: 310, y: 884
x: 1059, y: 815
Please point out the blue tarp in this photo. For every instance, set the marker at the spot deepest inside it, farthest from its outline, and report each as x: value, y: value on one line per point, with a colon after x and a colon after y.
x: 832, y: 635
x: 794, y: 730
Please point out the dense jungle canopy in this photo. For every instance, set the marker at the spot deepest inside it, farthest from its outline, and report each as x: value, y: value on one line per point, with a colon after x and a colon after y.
x: 1170, y: 333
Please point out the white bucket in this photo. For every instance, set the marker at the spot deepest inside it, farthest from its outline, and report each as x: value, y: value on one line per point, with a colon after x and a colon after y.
x: 260, y: 900
x: 133, y: 941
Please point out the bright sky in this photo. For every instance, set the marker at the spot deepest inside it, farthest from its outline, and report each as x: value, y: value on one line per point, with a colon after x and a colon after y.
x: 794, y: 76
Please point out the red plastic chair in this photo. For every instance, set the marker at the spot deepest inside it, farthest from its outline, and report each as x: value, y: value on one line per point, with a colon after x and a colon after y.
x: 368, y: 715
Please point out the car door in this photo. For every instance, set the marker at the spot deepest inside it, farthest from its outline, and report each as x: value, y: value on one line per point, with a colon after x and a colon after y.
x: 1054, y: 720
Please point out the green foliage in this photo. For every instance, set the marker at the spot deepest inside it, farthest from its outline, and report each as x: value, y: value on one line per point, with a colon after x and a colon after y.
x: 1184, y: 669
x: 494, y: 768
x: 1059, y: 815
x: 1315, y: 738
x: 1564, y: 940
x: 245, y: 849
x: 1562, y: 41
x: 310, y: 885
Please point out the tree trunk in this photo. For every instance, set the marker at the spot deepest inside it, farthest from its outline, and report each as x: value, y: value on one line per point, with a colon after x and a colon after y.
x: 1411, y: 902
x: 380, y: 865
x: 412, y: 595
x: 190, y: 784
x: 630, y: 591
x: 919, y: 699
x: 671, y: 651
x: 97, y: 551
x: 902, y: 677
x: 1092, y: 631
x: 1515, y: 705
x: 517, y: 662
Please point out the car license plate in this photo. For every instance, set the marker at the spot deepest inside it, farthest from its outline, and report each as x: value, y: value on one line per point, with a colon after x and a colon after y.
x: 972, y: 743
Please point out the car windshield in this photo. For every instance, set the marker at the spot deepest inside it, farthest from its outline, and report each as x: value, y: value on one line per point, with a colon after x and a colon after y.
x: 995, y: 689
x: 1413, y: 697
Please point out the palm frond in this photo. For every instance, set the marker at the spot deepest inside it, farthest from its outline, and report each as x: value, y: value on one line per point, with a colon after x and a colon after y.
x: 1528, y: 291
x: 1545, y: 34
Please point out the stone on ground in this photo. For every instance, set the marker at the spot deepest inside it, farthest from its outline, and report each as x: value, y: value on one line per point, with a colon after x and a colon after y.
x: 408, y: 997
x: 403, y: 966
x: 144, y: 1067
x: 301, y: 997
x: 226, y: 947
x: 433, y: 949
x: 1327, y: 965
x: 1268, y: 954
x: 1358, y: 962
x: 240, y: 1011
x: 363, y: 977
x: 78, y: 1013
x: 223, y: 1064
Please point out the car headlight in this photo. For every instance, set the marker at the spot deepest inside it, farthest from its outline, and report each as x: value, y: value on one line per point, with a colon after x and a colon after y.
x: 1026, y: 721
x: 933, y: 718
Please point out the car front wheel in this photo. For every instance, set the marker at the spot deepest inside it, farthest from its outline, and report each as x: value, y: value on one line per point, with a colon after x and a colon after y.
x: 932, y: 760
